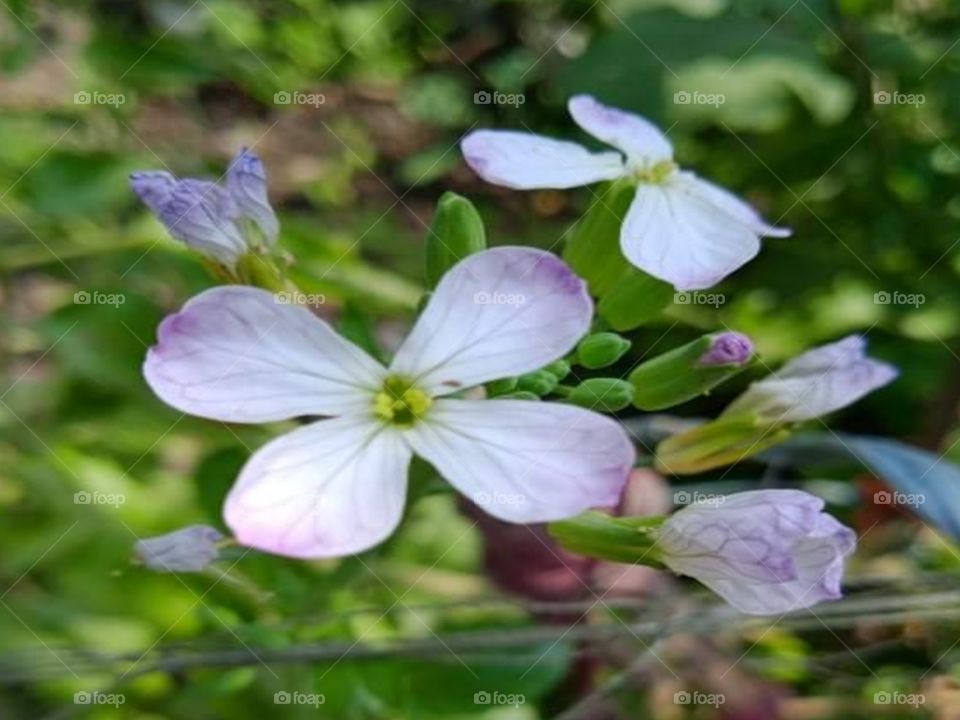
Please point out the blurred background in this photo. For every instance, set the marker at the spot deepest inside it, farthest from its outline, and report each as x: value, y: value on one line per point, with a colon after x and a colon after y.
x: 838, y: 118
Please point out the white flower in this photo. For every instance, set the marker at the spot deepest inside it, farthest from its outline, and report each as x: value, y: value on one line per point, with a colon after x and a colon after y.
x: 680, y: 228
x: 765, y: 552
x: 818, y: 382
x: 337, y: 486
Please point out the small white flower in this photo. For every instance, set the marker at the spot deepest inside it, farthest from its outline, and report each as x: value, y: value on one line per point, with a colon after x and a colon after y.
x: 189, y: 549
x: 337, y: 486
x: 818, y: 382
x: 680, y: 228
x: 765, y: 552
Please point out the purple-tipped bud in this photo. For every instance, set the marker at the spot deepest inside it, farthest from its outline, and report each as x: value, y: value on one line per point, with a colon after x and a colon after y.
x: 189, y: 549
x: 197, y: 212
x: 729, y: 348
x: 247, y: 183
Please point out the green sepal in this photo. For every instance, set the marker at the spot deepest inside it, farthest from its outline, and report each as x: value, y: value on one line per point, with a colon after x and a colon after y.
x: 717, y: 444
x: 456, y: 232
x: 620, y: 539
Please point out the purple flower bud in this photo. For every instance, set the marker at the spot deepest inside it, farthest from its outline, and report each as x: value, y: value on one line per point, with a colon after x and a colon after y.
x: 197, y: 212
x: 189, y: 549
x: 815, y: 383
x: 765, y: 552
x: 205, y: 215
x: 728, y: 348
x: 247, y: 183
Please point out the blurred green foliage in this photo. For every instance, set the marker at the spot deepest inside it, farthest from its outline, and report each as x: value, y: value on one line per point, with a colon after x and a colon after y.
x: 356, y: 108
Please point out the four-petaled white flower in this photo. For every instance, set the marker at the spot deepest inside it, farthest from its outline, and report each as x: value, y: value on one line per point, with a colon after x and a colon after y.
x: 765, y: 552
x: 822, y: 380
x: 680, y: 228
x: 337, y: 486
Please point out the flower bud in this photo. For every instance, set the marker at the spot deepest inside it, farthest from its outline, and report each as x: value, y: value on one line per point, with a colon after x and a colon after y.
x: 539, y: 383
x: 602, y: 394
x: 601, y: 350
x: 559, y: 369
x: 501, y: 387
x: 456, y: 232
x: 189, y: 549
x: 690, y: 370
x: 766, y: 552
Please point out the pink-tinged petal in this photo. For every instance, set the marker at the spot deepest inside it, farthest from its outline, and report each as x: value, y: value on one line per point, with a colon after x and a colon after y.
x: 524, y: 161
x: 672, y: 232
x: 331, y: 488
x: 765, y: 552
x: 730, y: 204
x: 526, y: 462
x: 239, y: 354
x: 638, y: 138
x: 498, y: 313
x: 748, y: 535
x: 818, y: 382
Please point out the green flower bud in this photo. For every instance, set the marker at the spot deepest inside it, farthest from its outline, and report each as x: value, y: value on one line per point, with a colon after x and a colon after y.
x: 519, y: 395
x: 630, y: 540
x: 501, y: 387
x: 540, y: 382
x: 601, y: 350
x: 559, y: 369
x: 456, y: 231
x: 602, y: 394
x: 690, y: 370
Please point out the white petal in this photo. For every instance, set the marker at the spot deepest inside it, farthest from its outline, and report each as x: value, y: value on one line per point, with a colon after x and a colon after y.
x: 818, y: 382
x: 238, y: 354
x: 498, y: 313
x: 819, y: 560
x: 676, y: 232
x: 331, y: 488
x: 525, y: 161
x: 638, y: 138
x: 525, y: 461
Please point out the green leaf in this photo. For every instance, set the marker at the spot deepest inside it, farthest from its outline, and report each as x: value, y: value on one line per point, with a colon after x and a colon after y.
x: 456, y: 232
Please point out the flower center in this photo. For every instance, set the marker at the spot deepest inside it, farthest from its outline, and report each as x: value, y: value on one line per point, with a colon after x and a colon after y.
x: 400, y: 402
x: 655, y: 173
